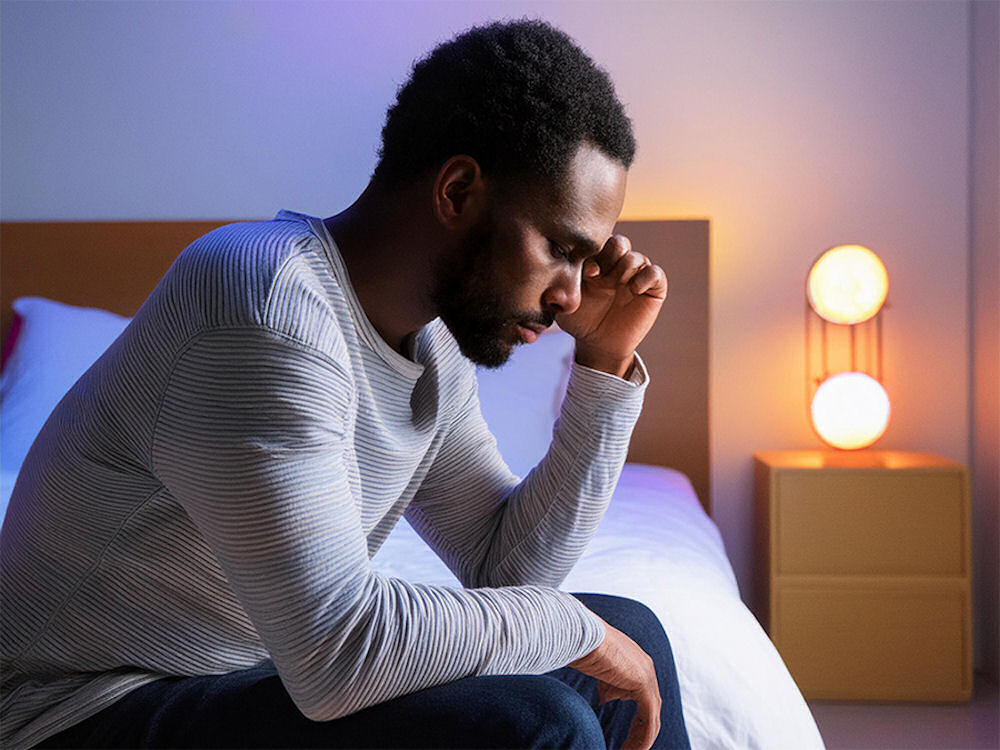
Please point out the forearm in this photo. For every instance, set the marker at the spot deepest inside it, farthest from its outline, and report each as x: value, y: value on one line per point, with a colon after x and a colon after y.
x: 406, y: 637
x: 549, y: 518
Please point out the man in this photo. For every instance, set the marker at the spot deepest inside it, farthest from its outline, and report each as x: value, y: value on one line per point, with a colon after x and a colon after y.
x: 185, y: 557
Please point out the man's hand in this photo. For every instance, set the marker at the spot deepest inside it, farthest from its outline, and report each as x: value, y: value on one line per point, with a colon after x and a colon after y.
x: 625, y: 671
x: 622, y: 292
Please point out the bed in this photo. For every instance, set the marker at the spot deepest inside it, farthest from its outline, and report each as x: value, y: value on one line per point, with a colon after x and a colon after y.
x: 68, y: 289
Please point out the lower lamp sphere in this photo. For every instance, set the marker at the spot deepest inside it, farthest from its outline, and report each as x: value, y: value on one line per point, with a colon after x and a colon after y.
x: 850, y: 410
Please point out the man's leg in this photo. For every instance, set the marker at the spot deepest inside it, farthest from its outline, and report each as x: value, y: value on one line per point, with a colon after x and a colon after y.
x: 251, y: 708
x: 640, y: 624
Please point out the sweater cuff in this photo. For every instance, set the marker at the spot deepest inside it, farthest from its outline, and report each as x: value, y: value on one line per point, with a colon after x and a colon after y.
x: 638, y: 378
x: 603, y: 392
x: 593, y: 632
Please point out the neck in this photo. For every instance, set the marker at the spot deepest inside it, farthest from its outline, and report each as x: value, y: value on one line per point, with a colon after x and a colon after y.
x: 387, y: 240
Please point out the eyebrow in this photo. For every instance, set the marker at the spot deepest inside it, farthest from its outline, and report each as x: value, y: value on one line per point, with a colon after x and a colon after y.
x: 581, y: 242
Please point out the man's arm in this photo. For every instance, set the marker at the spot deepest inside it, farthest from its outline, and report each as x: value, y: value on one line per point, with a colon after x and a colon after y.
x: 492, y: 530
x: 622, y: 295
x: 251, y: 441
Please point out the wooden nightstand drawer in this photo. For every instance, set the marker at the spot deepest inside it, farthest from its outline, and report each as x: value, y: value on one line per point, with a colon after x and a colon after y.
x: 858, y: 522
x: 876, y: 642
x: 863, y: 565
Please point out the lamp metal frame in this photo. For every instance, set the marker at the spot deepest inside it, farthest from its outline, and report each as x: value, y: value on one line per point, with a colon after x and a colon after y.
x: 842, y: 347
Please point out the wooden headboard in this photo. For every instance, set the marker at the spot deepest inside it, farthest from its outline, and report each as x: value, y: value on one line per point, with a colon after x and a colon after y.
x: 115, y: 265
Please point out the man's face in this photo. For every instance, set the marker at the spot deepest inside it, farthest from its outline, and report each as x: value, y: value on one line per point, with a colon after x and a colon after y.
x: 475, y: 302
x: 522, y: 264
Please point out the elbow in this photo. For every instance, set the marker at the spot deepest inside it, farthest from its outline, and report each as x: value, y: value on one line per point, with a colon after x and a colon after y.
x: 322, y: 708
x: 316, y: 711
x: 332, y: 676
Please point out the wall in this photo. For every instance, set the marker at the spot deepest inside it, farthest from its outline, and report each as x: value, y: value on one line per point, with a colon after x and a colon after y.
x: 984, y: 211
x: 792, y: 126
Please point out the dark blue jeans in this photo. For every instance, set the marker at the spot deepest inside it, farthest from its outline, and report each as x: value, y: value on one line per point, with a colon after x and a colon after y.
x: 251, y: 708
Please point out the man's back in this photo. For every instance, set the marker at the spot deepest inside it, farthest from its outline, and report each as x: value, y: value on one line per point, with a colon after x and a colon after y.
x: 89, y: 509
x: 132, y: 588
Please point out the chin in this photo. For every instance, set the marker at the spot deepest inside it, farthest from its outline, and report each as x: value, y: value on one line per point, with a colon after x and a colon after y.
x: 491, y: 360
x: 491, y: 353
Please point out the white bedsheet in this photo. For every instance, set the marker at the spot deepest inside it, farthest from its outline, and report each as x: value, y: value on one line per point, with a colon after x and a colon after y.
x: 658, y: 546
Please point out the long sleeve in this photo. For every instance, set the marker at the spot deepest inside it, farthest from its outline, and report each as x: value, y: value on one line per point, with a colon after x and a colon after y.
x: 492, y: 530
x: 252, y: 440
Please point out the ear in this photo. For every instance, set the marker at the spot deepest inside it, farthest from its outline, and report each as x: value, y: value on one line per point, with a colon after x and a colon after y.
x: 459, y: 193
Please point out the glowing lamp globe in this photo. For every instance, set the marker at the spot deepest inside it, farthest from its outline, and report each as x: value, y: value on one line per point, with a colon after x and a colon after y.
x: 850, y: 410
x: 847, y: 284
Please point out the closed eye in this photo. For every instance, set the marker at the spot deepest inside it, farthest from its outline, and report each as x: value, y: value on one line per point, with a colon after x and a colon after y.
x: 557, y: 251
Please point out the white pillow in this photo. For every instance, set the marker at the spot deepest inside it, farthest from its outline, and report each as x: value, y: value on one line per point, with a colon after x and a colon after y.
x: 54, y: 347
x: 520, y: 401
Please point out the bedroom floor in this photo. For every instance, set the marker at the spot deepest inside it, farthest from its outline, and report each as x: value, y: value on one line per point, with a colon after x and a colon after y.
x: 908, y: 726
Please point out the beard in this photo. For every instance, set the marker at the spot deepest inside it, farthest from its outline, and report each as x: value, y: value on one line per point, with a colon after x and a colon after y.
x: 471, y: 304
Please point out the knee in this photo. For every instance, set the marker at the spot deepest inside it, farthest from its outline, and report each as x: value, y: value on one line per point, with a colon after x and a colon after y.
x: 548, y: 713
x: 631, y: 617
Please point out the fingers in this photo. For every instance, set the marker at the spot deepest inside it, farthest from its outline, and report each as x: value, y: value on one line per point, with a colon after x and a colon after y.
x: 625, y: 671
x: 651, y: 281
x: 642, y: 734
x: 646, y: 722
x: 627, y: 267
x: 617, y: 247
x: 617, y: 264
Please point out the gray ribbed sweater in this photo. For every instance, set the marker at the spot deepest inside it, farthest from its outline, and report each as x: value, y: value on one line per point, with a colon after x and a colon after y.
x: 209, y: 494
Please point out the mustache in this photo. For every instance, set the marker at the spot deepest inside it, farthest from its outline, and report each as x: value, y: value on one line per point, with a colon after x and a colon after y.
x: 544, y: 319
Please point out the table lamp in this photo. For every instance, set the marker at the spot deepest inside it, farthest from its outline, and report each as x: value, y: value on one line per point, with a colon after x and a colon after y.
x: 846, y: 290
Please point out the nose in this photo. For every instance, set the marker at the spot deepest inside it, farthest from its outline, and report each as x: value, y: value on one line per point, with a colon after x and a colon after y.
x: 563, y: 295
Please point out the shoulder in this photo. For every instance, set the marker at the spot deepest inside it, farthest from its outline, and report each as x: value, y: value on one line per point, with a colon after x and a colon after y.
x: 270, y: 274
x: 241, y: 260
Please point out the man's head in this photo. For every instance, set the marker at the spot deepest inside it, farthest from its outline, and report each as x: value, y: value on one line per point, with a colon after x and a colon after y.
x: 520, y: 263
x: 527, y: 146
x: 518, y: 97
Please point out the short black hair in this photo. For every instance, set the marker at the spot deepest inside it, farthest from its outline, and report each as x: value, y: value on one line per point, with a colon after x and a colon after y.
x: 517, y: 96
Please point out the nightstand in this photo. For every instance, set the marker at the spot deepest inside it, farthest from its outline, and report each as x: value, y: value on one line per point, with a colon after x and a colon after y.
x: 863, y: 566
